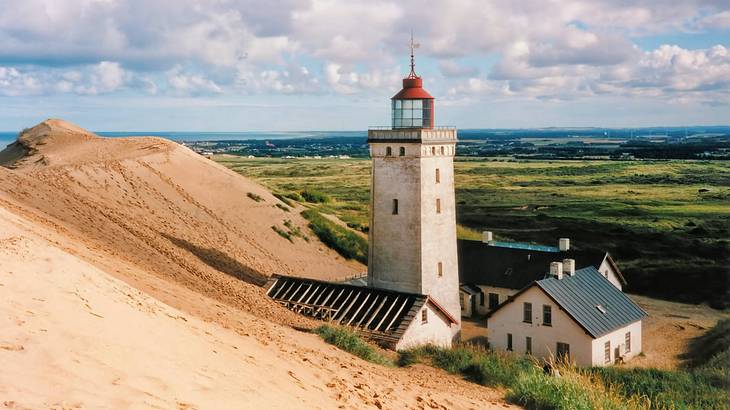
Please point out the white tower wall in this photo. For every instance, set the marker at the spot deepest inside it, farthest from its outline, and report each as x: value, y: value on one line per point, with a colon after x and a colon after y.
x: 406, y: 249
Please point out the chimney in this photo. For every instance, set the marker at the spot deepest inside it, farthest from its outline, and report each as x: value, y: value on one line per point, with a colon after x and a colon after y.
x: 564, y: 244
x: 487, y: 236
x: 556, y: 269
x: 569, y: 267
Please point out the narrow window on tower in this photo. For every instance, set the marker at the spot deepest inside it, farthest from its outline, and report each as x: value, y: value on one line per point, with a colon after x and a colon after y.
x: 441, y: 269
x: 424, y: 316
x: 438, y: 205
x: 402, y: 151
x: 438, y: 175
x: 388, y: 151
x: 442, y: 150
x: 395, y: 207
x: 433, y: 150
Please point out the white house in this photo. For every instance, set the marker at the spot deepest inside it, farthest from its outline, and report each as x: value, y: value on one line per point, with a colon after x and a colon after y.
x: 579, y: 314
x: 498, y: 270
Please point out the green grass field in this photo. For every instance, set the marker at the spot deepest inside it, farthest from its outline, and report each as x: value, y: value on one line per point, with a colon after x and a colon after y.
x: 666, y: 222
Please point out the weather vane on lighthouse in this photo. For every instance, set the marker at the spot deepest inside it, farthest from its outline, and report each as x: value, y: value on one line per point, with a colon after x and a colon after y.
x: 413, y: 46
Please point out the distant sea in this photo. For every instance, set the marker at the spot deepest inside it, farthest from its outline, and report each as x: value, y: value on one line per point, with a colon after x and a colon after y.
x: 8, y: 137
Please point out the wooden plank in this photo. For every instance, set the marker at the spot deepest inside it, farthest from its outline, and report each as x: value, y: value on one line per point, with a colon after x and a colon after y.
x: 281, y: 288
x: 291, y: 295
x: 362, y: 304
x: 387, y: 312
x: 305, y: 293
x: 375, y: 314
x: 344, y: 312
x: 396, y: 315
x: 313, y: 293
x: 268, y: 292
x: 347, y: 299
x: 366, y: 313
x: 321, y: 296
x: 324, y: 304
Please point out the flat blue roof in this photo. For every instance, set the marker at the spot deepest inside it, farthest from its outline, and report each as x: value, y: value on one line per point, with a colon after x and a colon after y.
x: 527, y: 246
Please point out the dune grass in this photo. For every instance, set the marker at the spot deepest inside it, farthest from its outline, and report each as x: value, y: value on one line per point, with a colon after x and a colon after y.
x: 345, y: 242
x: 348, y: 341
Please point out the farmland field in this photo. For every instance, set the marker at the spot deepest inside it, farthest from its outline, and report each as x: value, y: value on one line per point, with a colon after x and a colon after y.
x: 666, y: 222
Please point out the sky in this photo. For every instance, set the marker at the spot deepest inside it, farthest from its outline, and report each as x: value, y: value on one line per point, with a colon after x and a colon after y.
x: 245, y: 65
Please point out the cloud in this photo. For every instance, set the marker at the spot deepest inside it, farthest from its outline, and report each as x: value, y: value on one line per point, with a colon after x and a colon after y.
x: 564, y: 49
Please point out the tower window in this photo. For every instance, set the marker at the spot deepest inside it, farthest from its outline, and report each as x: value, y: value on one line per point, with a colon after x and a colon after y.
x: 438, y: 205
x: 433, y: 150
x: 389, y: 152
x: 441, y: 269
x: 438, y: 175
x: 424, y: 316
x: 442, y: 150
x: 395, y: 207
x: 402, y: 151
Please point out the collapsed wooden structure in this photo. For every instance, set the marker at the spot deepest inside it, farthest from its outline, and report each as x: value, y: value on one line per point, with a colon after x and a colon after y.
x: 379, y: 314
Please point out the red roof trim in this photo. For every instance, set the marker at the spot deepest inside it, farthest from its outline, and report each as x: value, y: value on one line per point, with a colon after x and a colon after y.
x: 441, y: 309
x: 412, y: 94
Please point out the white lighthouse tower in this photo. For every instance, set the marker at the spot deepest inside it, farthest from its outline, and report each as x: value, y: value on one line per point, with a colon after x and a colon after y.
x: 412, y: 204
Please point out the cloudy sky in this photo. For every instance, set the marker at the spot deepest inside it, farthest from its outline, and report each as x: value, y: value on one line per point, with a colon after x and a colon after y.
x: 236, y: 65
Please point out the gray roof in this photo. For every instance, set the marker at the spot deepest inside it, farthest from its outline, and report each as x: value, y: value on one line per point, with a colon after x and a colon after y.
x: 514, y: 267
x: 590, y: 299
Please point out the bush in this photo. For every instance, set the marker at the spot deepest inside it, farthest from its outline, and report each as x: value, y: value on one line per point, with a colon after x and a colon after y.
x: 348, y: 341
x: 283, y: 207
x: 345, y: 242
x: 315, y: 197
x: 284, y: 234
x: 284, y: 199
x: 255, y: 197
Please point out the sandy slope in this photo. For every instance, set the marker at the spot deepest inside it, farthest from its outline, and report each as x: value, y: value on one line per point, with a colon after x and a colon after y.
x: 163, y: 208
x: 119, y: 288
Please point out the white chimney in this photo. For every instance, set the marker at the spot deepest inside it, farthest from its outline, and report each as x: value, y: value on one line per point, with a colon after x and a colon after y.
x: 569, y: 267
x: 564, y: 244
x: 487, y: 236
x: 556, y: 269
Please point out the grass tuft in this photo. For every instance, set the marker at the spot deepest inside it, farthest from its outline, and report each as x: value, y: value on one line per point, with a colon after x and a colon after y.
x: 315, y: 197
x: 348, y: 341
x: 255, y: 197
x: 345, y: 242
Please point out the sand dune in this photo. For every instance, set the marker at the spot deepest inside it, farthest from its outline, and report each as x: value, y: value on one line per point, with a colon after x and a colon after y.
x: 128, y: 271
x: 162, y: 208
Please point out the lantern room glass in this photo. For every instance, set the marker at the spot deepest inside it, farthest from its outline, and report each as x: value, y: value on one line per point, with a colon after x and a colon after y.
x: 412, y: 113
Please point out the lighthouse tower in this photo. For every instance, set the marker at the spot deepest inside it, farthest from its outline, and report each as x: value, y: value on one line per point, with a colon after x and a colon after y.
x: 412, y: 205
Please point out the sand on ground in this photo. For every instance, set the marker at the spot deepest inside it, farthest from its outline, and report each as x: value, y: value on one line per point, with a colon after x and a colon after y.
x: 101, y: 308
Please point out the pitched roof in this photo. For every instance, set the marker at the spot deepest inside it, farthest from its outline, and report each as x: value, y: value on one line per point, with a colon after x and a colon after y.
x: 379, y: 314
x: 515, y: 267
x: 590, y: 299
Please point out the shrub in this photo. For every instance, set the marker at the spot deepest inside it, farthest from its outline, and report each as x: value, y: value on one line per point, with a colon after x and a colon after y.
x: 293, y: 196
x: 315, y: 197
x: 284, y: 199
x: 283, y: 207
x: 345, y: 242
x: 284, y: 234
x: 255, y: 197
x: 348, y: 341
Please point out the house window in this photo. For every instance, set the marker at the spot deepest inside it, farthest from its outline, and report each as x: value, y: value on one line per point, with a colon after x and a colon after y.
x: 528, y: 345
x: 607, y: 352
x: 481, y: 297
x: 527, y: 312
x: 563, y: 351
x: 402, y: 151
x: 438, y: 205
x: 628, y: 342
x: 438, y: 175
x: 493, y: 301
x: 547, y: 315
x: 388, y: 151
x: 462, y: 302
x: 509, y: 341
x: 395, y: 207
x: 441, y: 269
x: 424, y: 316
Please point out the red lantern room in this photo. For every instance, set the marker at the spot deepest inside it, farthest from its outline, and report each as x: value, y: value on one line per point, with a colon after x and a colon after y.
x: 413, y: 106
